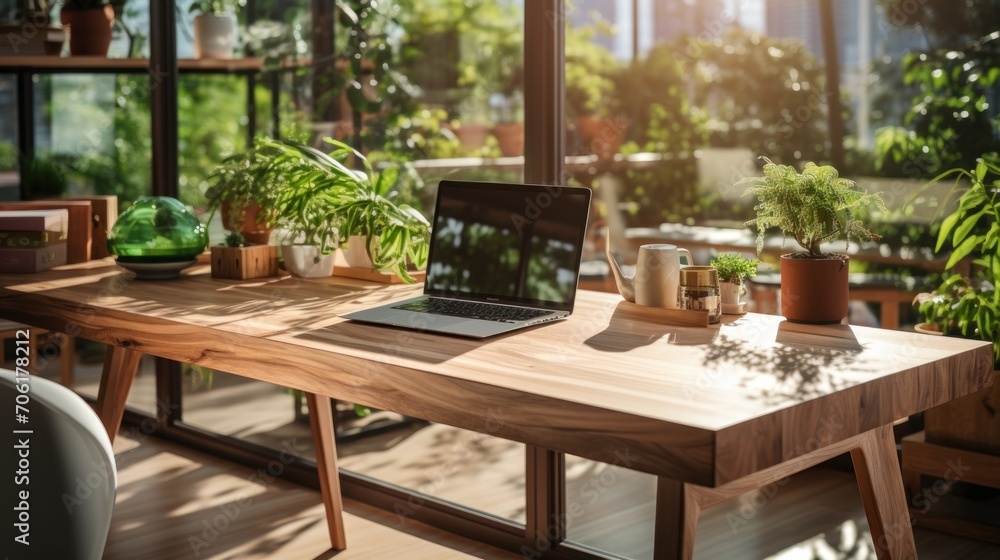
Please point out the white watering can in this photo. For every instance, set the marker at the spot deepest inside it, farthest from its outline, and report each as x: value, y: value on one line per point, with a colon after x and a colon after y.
x: 657, y: 275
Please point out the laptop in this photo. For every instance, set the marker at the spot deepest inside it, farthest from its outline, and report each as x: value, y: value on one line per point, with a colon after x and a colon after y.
x: 502, y: 257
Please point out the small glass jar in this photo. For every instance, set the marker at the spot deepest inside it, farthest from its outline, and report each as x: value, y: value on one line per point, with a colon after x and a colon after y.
x: 699, y: 291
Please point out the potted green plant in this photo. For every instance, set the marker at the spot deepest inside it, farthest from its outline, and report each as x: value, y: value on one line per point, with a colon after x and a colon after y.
x: 245, y: 187
x: 733, y: 269
x: 238, y: 260
x: 89, y: 23
x: 968, y: 305
x: 812, y: 207
x: 215, y: 28
x: 309, y: 218
x: 323, y: 191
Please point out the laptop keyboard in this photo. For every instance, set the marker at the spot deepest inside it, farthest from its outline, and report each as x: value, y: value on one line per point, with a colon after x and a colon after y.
x: 473, y: 310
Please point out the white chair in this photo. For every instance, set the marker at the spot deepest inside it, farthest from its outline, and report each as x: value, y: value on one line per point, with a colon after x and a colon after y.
x: 71, y: 477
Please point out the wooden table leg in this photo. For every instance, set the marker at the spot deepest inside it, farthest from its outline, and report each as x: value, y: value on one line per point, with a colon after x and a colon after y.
x: 67, y: 358
x: 321, y: 419
x: 120, y: 365
x: 677, y: 513
x: 881, y: 486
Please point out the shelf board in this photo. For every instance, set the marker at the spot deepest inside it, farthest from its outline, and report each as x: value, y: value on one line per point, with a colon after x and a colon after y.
x: 97, y: 64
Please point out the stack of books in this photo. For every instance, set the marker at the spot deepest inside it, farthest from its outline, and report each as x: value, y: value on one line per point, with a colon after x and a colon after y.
x: 32, y: 240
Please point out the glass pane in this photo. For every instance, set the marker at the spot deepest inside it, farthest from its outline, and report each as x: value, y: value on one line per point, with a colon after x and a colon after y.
x: 610, y: 508
x: 8, y: 138
x: 88, y: 363
x: 464, y: 467
x: 467, y: 468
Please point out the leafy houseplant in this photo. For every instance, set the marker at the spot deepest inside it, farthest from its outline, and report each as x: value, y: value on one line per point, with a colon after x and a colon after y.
x: 245, y: 187
x: 968, y: 305
x: 90, y: 23
x: 813, y: 207
x: 733, y: 269
x: 322, y: 189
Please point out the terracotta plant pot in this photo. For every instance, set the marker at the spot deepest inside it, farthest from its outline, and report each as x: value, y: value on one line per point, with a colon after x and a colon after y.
x: 510, y: 137
x: 814, y: 290
x: 600, y: 136
x: 89, y: 30
x: 472, y: 135
x: 246, y: 222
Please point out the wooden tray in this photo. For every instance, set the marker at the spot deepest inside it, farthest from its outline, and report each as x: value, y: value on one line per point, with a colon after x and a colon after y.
x: 679, y: 317
x: 373, y: 275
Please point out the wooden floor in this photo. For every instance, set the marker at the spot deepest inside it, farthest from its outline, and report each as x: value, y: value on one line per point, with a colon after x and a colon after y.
x: 175, y: 503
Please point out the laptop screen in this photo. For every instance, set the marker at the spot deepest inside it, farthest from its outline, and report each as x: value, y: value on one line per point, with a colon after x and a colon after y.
x: 517, y: 244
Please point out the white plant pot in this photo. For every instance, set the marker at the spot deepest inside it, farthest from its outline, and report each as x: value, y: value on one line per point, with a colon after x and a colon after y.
x: 355, y: 252
x: 214, y: 36
x: 305, y: 261
x: 730, y: 292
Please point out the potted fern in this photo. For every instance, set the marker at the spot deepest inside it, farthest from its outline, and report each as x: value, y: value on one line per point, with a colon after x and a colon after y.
x: 968, y: 305
x: 245, y: 188
x: 813, y: 207
x: 323, y: 192
x: 733, y: 269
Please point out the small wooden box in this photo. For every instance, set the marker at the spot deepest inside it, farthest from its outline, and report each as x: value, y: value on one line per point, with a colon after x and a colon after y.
x: 104, y: 209
x: 244, y: 263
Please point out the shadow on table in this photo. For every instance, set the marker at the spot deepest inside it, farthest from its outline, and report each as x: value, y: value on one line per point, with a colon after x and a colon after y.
x: 803, y: 363
x: 630, y: 328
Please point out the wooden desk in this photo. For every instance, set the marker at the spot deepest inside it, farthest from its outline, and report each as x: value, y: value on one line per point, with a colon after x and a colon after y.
x: 712, y: 412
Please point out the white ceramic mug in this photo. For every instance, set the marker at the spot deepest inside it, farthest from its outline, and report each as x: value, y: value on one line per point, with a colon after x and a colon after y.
x: 657, y: 275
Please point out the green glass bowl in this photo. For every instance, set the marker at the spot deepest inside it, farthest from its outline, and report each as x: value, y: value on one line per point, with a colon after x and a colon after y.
x: 157, y: 229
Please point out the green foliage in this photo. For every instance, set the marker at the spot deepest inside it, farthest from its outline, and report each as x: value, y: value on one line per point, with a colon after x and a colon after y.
x: 115, y: 153
x: 812, y: 207
x: 761, y: 93
x: 234, y: 239
x: 216, y: 7
x: 734, y: 267
x: 8, y: 157
x: 951, y: 120
x: 970, y: 307
x: 590, y: 72
x: 653, y: 95
x: 43, y: 177
x: 322, y: 191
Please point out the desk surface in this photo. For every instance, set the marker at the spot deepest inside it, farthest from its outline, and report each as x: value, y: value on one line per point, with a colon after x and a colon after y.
x: 705, y: 406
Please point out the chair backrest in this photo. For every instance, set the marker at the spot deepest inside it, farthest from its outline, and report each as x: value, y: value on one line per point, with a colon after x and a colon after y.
x: 69, y: 468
